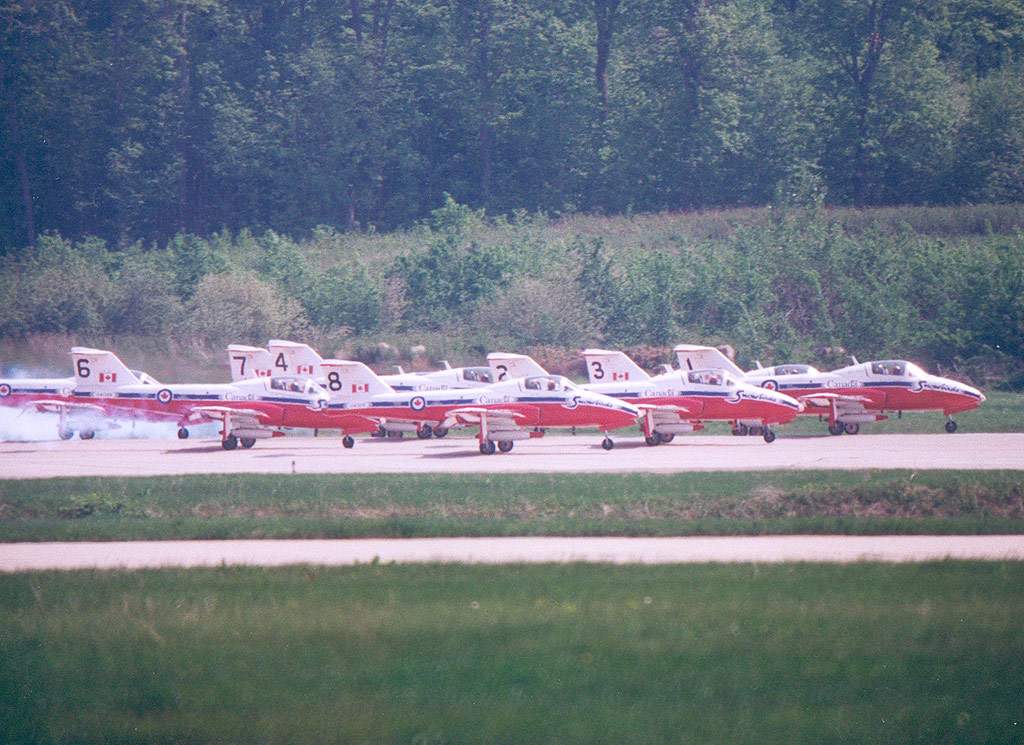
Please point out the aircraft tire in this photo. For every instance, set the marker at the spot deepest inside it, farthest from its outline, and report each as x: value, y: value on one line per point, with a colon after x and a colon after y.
x: 756, y: 431
x: 852, y: 428
x: 347, y: 442
x: 836, y: 429
x: 505, y: 445
x: 740, y: 431
x: 395, y: 435
x: 668, y: 438
x: 425, y: 432
x: 769, y: 435
x: 440, y: 432
x: 230, y: 442
x: 951, y: 426
x: 487, y: 447
x: 182, y: 433
x: 607, y: 443
x: 65, y: 434
x: 654, y: 439
x: 87, y: 434
x: 247, y: 442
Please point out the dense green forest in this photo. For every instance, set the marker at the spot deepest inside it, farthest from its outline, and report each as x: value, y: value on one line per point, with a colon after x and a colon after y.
x: 144, y: 119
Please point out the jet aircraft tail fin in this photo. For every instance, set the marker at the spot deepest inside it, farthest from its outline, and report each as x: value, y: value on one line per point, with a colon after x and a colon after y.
x: 507, y: 366
x: 294, y: 358
x: 604, y: 366
x: 697, y: 357
x: 249, y: 362
x: 100, y: 370
x: 352, y: 379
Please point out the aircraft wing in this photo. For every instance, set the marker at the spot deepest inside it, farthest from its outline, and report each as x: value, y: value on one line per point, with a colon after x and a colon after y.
x: 352, y: 424
x: 840, y: 403
x: 240, y: 418
x: 671, y: 413
x: 75, y: 414
x: 494, y: 418
x: 56, y: 406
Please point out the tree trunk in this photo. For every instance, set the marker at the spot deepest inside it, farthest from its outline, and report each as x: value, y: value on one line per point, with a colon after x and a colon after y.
x: 20, y: 157
x: 604, y: 15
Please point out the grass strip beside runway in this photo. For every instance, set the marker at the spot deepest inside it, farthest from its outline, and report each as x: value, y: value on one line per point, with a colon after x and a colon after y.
x: 574, y: 654
x: 432, y: 505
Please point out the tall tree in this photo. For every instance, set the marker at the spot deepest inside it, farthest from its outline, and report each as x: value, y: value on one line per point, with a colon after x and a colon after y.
x: 880, y: 72
x: 40, y: 65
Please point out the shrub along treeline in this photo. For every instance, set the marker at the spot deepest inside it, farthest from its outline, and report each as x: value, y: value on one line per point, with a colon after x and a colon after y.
x: 779, y: 285
x: 135, y: 119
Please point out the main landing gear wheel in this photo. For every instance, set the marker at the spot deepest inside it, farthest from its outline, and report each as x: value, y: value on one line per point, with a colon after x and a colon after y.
x: 607, y: 443
x: 347, y: 442
x: 768, y: 435
x: 951, y: 426
x: 852, y: 428
x: 230, y: 442
x: 247, y: 442
x: 487, y: 447
x: 425, y: 432
x: 505, y: 446
x: 440, y: 432
x: 182, y: 433
x: 740, y: 431
x: 654, y: 439
x: 668, y: 438
x: 65, y: 434
x: 836, y: 429
x: 86, y: 434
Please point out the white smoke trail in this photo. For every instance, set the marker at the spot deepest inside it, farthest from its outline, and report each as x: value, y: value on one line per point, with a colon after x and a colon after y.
x: 28, y: 425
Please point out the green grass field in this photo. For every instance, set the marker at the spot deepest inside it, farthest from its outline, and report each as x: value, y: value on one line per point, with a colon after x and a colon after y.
x: 407, y: 505
x: 571, y: 654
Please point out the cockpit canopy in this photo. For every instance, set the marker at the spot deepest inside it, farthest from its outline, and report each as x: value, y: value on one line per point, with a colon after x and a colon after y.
x: 793, y: 370
x: 295, y: 385
x: 712, y: 377
x: 145, y: 378
x: 478, y: 375
x: 547, y: 383
x: 896, y: 368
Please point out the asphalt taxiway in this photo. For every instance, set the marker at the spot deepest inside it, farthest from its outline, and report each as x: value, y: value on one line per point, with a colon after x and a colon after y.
x: 559, y: 453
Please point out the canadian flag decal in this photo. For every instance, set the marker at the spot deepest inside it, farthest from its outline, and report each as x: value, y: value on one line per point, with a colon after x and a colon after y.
x: 304, y: 369
x: 360, y: 387
x: 620, y: 376
x: 108, y: 377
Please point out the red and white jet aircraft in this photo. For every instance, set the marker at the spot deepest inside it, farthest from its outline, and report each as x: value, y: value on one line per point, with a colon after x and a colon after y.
x: 248, y: 410
x: 55, y: 395
x: 858, y: 393
x: 863, y: 392
x: 679, y: 401
x: 504, y: 412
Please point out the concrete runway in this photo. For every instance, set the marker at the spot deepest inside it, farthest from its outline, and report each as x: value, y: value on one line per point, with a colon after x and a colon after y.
x: 22, y: 557
x: 570, y: 454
